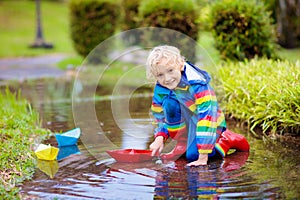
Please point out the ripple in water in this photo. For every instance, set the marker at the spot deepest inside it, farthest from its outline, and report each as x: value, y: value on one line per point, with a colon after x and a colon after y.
x: 81, y: 176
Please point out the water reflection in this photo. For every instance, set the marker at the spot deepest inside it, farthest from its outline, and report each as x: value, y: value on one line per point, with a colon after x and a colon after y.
x: 80, y: 177
x: 49, y: 167
x: 50, y: 97
x: 268, y: 172
x: 67, y: 151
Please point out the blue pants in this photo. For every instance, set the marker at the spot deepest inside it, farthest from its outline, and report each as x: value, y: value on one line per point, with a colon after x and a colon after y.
x: 174, y: 113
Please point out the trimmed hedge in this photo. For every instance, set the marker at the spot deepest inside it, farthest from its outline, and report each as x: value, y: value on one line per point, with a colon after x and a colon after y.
x: 264, y: 93
x: 130, y: 20
x: 177, y: 15
x: 92, y: 22
x: 243, y: 30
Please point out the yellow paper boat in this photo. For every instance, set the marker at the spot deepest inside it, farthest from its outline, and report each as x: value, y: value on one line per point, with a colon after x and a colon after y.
x: 46, y: 152
x: 49, y: 167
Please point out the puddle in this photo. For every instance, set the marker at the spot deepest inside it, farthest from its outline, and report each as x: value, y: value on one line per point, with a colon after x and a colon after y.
x: 267, y: 172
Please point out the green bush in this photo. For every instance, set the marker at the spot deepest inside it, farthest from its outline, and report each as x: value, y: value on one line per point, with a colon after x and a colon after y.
x: 178, y: 15
x: 130, y: 20
x: 92, y: 22
x: 130, y: 12
x: 242, y: 30
x: 264, y: 93
x: 271, y: 7
x: 204, y: 7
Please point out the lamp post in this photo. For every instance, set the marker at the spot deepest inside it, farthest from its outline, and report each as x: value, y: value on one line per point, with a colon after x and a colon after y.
x: 39, y: 39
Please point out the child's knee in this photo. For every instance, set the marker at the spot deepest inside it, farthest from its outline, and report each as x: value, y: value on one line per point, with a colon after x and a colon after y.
x: 192, y: 155
x: 172, y: 110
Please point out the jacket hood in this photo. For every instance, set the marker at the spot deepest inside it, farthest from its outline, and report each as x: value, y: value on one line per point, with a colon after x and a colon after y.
x: 195, y: 75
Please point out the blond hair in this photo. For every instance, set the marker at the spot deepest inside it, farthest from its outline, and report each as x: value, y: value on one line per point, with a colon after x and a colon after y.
x: 170, y: 53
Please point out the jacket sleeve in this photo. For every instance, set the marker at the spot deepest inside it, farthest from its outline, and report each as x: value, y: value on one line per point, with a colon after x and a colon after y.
x: 158, y: 113
x: 207, y: 116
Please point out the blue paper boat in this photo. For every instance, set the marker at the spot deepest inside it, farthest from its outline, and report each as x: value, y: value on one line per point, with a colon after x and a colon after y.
x: 68, y: 138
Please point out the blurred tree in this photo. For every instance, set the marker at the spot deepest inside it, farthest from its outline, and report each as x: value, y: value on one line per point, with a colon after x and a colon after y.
x: 288, y: 23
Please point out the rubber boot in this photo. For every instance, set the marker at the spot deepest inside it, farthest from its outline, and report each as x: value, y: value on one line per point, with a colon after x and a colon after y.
x: 180, y: 147
x: 230, y: 140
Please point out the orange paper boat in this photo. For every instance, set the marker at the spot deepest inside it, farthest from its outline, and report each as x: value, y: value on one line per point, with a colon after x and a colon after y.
x: 46, y: 152
x: 130, y: 155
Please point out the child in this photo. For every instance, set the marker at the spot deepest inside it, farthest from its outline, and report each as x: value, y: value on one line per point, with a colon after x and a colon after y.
x: 186, y: 109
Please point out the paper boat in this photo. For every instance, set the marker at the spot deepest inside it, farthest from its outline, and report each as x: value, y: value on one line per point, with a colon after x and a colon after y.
x: 130, y: 155
x: 49, y: 167
x: 68, y: 138
x: 67, y: 151
x: 46, y: 152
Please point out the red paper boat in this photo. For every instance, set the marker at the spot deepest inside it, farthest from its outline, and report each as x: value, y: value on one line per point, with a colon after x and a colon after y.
x: 130, y: 155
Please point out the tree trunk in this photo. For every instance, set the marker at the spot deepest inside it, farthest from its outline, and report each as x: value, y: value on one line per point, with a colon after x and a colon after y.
x: 288, y: 23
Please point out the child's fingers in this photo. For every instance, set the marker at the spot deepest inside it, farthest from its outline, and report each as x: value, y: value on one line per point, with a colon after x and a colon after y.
x: 154, y: 152
x: 161, y: 149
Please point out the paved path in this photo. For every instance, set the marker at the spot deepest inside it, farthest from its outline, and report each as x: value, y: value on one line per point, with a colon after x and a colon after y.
x: 30, y: 68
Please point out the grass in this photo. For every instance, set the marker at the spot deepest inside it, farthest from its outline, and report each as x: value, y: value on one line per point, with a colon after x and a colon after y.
x: 206, y: 41
x: 290, y: 54
x: 19, y: 130
x: 264, y: 93
x: 70, y: 62
x: 18, y: 28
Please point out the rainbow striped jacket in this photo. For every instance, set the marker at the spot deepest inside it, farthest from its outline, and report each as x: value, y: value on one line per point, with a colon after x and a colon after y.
x: 206, y: 121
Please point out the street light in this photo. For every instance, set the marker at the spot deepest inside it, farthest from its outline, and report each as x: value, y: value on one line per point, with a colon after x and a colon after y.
x: 39, y: 40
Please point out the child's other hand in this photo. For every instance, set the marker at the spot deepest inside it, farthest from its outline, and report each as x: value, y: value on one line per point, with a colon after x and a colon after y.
x: 202, y: 160
x: 157, y: 146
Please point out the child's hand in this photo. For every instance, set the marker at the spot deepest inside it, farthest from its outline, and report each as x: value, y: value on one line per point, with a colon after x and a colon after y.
x: 202, y: 160
x: 157, y: 146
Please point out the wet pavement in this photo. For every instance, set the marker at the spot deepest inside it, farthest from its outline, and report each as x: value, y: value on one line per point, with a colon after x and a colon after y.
x: 31, y: 67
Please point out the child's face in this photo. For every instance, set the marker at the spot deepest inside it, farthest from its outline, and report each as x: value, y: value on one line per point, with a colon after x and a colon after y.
x: 168, y: 74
